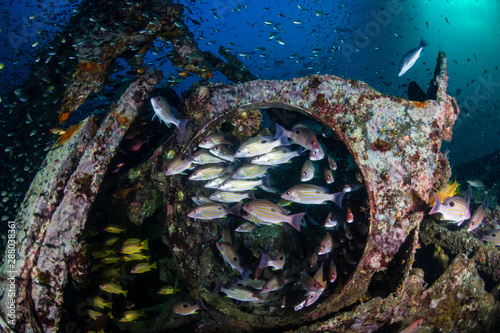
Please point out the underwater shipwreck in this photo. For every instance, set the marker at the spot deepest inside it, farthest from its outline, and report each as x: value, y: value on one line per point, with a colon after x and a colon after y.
x: 390, y: 263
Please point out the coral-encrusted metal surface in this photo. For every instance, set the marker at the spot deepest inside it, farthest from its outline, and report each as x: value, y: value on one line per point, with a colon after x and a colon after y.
x: 395, y: 143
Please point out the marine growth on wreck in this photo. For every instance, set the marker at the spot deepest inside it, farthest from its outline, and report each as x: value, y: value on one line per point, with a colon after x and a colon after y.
x: 306, y: 202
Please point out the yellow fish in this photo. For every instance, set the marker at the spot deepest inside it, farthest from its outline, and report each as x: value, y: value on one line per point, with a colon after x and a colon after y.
x: 136, y: 257
x: 113, y: 288
x: 113, y: 229
x: 132, y: 315
x: 143, y: 267
x: 96, y: 314
x: 451, y: 189
x: 168, y: 290
x: 134, y: 245
x: 100, y: 303
x: 188, y: 308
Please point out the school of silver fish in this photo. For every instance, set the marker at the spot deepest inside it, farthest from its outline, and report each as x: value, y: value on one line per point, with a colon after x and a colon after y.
x: 237, y: 175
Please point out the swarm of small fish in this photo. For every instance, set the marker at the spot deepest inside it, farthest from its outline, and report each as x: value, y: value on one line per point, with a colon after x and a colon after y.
x: 236, y: 181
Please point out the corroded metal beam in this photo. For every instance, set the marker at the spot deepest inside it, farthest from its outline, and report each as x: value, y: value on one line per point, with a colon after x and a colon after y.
x: 55, y: 211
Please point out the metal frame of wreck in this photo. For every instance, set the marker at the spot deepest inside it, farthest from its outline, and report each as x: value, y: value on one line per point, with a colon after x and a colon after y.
x: 395, y: 143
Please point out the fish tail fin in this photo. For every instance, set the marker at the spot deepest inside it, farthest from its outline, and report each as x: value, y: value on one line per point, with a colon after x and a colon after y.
x: 245, y: 273
x: 251, y: 195
x: 337, y: 198
x: 218, y: 287
x: 145, y: 244
x: 182, y: 125
x: 125, y: 292
x: 486, y: 202
x: 423, y: 43
x: 235, y: 280
x: 282, y: 135
x: 264, y: 261
x: 154, y: 265
x: 200, y: 304
x: 296, y: 220
x: 236, y: 209
x: 266, y: 181
x: 437, y: 205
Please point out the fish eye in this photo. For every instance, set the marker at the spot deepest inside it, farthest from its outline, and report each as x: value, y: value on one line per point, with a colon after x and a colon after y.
x: 183, y: 158
x: 281, y: 258
x: 157, y: 98
x: 297, y: 131
x: 288, y: 192
x: 452, y: 204
x: 184, y: 306
x: 263, y: 141
x: 235, y: 259
x: 304, y: 173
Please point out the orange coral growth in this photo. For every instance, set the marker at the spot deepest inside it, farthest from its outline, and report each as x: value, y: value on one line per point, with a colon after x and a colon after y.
x: 419, y: 104
x: 69, y: 133
x: 63, y: 116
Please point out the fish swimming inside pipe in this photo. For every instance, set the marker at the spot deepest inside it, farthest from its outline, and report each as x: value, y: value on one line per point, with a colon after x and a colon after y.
x: 411, y: 57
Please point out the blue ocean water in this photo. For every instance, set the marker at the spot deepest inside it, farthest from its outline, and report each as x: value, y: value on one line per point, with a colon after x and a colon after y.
x: 363, y: 40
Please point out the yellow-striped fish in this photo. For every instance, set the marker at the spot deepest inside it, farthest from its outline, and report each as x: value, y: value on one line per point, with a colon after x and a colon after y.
x: 279, y: 155
x: 188, y: 308
x: 202, y: 156
x: 312, y: 194
x: 214, y: 210
x: 114, y: 229
x: 455, y: 209
x: 210, y: 171
x: 308, y: 171
x: 111, y: 260
x: 260, y: 145
x: 134, y: 245
x: 135, y: 257
x: 111, y: 241
x: 277, y: 282
x: 276, y: 262
x: 168, y: 290
x: 241, y: 185
x: 267, y: 211
x: 491, y: 236
x: 132, y: 315
x: 215, y: 183
x: 232, y: 258
x: 215, y: 139
x: 228, y: 197
x: 238, y: 293
x: 113, y: 288
x: 99, y: 303
x: 143, y: 267
x: 250, y: 171
x: 179, y: 164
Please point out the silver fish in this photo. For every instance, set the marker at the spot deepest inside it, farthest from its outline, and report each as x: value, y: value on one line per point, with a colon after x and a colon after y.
x: 215, y: 183
x: 232, y: 258
x: 276, y: 262
x: 312, y: 194
x: 260, y: 145
x: 223, y: 151
x: 203, y: 156
x: 319, y: 154
x: 326, y: 245
x: 329, y: 176
x: 411, y: 57
x: 188, y: 308
x: 164, y: 112
x: 302, y: 136
x: 478, y: 215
